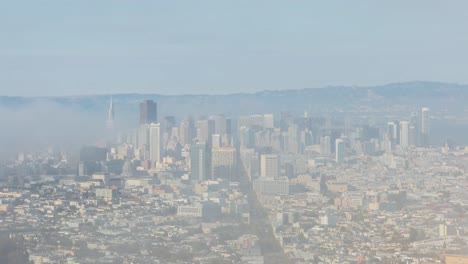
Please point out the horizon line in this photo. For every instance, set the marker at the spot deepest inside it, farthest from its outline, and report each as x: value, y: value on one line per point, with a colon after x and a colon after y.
x: 227, y: 94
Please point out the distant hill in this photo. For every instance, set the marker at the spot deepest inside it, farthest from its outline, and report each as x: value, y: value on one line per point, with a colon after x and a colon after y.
x: 433, y: 94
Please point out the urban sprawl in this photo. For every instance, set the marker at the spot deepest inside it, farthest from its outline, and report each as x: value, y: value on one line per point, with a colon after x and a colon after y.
x: 263, y: 188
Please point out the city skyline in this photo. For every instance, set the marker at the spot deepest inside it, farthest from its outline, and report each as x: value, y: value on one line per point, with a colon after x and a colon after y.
x: 233, y: 132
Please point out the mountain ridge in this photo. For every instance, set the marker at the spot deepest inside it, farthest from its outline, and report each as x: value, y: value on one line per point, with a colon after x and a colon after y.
x: 408, y: 84
x: 330, y: 98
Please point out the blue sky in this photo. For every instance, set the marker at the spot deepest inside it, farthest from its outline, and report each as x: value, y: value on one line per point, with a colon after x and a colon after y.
x: 69, y: 47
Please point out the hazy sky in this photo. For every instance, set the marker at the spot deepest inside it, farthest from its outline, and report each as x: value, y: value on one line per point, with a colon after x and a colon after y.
x: 67, y: 47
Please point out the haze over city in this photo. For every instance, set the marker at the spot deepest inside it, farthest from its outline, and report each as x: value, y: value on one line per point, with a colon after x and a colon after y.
x: 244, y: 132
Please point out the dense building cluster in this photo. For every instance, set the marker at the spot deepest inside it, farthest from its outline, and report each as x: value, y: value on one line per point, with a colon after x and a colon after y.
x: 263, y: 188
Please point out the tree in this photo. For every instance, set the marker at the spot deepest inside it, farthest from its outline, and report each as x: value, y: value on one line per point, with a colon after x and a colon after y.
x: 12, y: 251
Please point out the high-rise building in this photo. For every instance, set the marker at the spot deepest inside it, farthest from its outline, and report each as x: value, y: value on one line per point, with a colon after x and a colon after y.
x: 110, y: 114
x: 404, y: 134
x: 166, y: 127
x: 250, y: 162
x: 223, y: 163
x: 265, y: 121
x: 392, y: 132
x: 143, y: 136
x: 200, y: 162
x: 286, y: 119
x: 269, y: 166
x: 219, y: 124
x: 246, y: 137
x: 414, y: 129
x: 268, y: 121
x: 205, y: 129
x: 169, y: 122
x: 72, y: 157
x: 413, y: 136
x: 148, y: 112
x: 229, y: 126
x: 216, y: 141
x: 292, y: 140
x: 339, y: 151
x: 155, y: 143
x: 325, y: 145
x: 186, y: 132
x: 425, y: 127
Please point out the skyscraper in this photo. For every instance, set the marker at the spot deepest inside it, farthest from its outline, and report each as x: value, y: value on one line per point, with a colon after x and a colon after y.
x: 404, y: 134
x: 200, y: 162
x: 219, y: 124
x: 186, y: 131
x: 392, y: 132
x: 425, y: 125
x: 268, y: 121
x: 205, y: 129
x: 155, y: 143
x: 325, y: 145
x: 223, y: 162
x: 110, y: 114
x: 148, y: 112
x: 414, y: 129
x: 143, y: 136
x: 339, y: 151
x: 292, y: 143
x: 269, y: 166
x: 216, y: 141
x: 169, y: 123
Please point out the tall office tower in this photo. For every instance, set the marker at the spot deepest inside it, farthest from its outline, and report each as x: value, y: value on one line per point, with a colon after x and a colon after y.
x: 246, y: 137
x: 268, y: 121
x: 219, y: 124
x: 143, y: 136
x: 223, y: 163
x: 169, y: 123
x: 404, y: 134
x: 110, y: 114
x: 269, y: 166
x: 200, y: 162
x: 216, y: 141
x: 263, y: 138
x: 286, y: 118
x: 339, y: 151
x: 72, y: 156
x: 148, y: 112
x: 325, y: 145
x: 425, y: 127
x: 186, y: 132
x: 265, y: 121
x: 307, y: 138
x: 155, y: 143
x: 229, y: 126
x: 133, y: 137
x: 392, y: 132
x: 249, y: 162
x: 413, y: 136
x: 175, y: 135
x: 205, y: 128
x: 243, y: 121
x: 414, y: 139
x: 293, y: 137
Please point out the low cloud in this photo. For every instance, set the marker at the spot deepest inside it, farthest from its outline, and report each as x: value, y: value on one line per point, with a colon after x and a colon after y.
x: 40, y: 124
